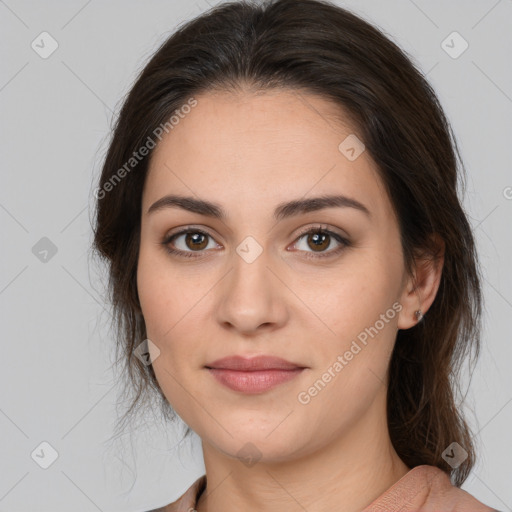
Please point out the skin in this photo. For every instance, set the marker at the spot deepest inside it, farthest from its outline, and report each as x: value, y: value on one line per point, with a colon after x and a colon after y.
x: 250, y: 152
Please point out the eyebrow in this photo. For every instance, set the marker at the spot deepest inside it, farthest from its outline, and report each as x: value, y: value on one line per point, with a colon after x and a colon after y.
x: 282, y: 211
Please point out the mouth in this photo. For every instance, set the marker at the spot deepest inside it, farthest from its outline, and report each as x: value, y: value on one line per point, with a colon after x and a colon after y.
x: 254, y: 375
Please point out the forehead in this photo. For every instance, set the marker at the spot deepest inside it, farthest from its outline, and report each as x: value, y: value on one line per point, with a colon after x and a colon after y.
x: 268, y: 125
x: 261, y: 147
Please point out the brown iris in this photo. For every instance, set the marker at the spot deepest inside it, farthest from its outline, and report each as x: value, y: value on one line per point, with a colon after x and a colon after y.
x: 320, y: 241
x: 199, y: 240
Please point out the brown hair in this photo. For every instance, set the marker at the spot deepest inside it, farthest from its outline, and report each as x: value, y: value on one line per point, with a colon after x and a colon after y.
x: 317, y: 47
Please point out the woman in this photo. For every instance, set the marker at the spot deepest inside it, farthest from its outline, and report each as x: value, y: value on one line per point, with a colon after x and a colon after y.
x: 290, y: 262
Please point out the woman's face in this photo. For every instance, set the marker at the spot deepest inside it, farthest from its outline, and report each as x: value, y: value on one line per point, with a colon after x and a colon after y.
x: 255, y: 284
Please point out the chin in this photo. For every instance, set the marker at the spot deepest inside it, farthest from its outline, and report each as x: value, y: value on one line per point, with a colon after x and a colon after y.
x: 254, y: 441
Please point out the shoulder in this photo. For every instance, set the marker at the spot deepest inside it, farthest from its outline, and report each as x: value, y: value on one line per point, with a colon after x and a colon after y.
x: 426, y: 489
x: 422, y: 489
x: 187, y: 501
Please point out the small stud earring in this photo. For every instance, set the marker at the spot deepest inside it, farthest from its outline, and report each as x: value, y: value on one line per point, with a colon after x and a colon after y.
x: 418, y: 314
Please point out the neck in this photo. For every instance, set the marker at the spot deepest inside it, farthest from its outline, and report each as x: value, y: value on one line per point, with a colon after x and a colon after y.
x: 352, y: 469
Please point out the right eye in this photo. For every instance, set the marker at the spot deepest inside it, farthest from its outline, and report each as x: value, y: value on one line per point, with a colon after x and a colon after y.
x: 192, y: 240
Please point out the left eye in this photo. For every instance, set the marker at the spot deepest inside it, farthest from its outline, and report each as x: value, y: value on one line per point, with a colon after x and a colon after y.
x: 319, y: 239
x: 196, y: 241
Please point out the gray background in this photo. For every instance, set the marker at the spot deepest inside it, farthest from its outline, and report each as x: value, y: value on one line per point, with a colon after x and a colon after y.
x: 57, y: 384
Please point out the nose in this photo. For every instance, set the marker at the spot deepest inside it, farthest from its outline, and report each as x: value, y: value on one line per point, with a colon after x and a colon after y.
x: 252, y: 298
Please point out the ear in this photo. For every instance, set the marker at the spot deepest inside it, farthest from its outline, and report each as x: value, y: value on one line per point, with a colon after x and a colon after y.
x: 420, y: 289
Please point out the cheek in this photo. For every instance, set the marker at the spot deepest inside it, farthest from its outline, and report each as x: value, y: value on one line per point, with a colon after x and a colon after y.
x: 358, y: 311
x: 167, y: 309
x: 163, y: 296
x: 351, y: 370
x: 169, y: 317
x: 348, y: 299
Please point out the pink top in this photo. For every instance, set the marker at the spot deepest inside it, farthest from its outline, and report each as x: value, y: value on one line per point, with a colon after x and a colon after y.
x: 422, y: 489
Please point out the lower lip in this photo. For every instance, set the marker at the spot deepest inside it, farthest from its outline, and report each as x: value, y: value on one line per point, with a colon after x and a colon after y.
x: 253, y: 381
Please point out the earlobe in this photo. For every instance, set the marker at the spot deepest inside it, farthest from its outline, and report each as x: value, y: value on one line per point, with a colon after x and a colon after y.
x: 420, y: 289
x: 419, y: 315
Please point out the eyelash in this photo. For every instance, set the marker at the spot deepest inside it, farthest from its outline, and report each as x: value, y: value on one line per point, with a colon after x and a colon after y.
x: 309, y: 255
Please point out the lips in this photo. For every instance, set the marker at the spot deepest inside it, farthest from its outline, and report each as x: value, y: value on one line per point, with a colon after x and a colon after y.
x: 253, y: 364
x: 253, y: 375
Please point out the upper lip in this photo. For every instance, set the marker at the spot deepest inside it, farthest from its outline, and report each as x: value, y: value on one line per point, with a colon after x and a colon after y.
x: 253, y: 363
